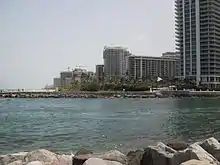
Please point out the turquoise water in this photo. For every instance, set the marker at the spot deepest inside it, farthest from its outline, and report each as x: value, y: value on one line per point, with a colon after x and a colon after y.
x: 65, y: 125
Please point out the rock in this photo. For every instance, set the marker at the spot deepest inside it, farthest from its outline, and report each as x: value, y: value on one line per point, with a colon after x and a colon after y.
x: 6, y: 159
x: 135, y: 157
x: 111, y: 156
x: 178, y: 146
x: 158, y: 155
x: 36, y: 163
x: 43, y: 155
x: 98, y: 161
x: 83, y: 152
x: 202, y: 154
x: 18, y: 162
x: 65, y: 159
x: 194, y: 151
x: 212, y: 146
x: 195, y: 162
x: 164, y: 155
x: 80, y: 159
x: 182, y: 156
x: 115, y: 156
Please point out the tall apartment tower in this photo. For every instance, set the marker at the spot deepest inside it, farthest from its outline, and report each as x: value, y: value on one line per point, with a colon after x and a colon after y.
x: 115, y: 62
x: 198, y: 40
x: 99, y: 73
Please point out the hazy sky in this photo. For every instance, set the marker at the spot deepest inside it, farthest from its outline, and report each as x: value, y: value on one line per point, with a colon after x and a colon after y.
x: 39, y: 38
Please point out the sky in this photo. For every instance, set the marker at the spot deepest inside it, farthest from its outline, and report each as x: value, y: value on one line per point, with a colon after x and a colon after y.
x: 40, y: 38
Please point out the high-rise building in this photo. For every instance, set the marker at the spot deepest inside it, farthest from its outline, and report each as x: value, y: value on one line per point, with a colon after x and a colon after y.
x: 65, y: 78
x: 79, y: 74
x: 56, y: 82
x: 115, y: 62
x: 176, y: 56
x: 144, y: 67
x: 198, y: 40
x: 99, y: 73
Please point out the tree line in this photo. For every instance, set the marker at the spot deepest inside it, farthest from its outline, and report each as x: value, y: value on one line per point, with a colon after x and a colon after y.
x: 131, y: 85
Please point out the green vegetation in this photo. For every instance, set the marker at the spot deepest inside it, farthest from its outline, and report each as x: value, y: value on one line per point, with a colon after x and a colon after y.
x: 130, y: 85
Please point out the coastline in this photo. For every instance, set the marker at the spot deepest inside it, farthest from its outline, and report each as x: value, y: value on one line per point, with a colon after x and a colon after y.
x: 204, y: 152
x: 112, y: 94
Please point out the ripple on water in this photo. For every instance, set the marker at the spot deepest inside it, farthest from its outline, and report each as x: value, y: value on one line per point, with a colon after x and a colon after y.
x: 66, y: 125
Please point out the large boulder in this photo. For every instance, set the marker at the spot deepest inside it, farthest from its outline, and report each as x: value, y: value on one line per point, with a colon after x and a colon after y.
x: 65, y: 159
x: 195, y: 162
x: 158, y: 155
x: 49, y: 158
x: 135, y: 157
x: 178, y: 146
x: 111, y: 156
x: 18, y: 162
x: 36, y: 163
x: 98, y: 161
x: 114, y: 156
x: 202, y: 155
x: 164, y: 155
x: 6, y: 159
x: 212, y: 146
x: 194, y: 151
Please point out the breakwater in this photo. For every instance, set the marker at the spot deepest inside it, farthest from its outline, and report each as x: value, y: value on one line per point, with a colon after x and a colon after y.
x: 112, y: 94
x: 204, y: 152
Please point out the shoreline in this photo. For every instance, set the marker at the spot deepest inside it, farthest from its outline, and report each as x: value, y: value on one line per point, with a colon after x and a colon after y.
x: 113, y: 94
x: 205, y: 152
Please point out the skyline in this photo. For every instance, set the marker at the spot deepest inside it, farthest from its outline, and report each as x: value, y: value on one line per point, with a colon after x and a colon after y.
x: 40, y: 39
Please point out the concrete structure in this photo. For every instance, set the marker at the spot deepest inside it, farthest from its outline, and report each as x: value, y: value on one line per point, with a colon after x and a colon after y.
x: 79, y: 74
x: 68, y: 81
x: 115, y: 62
x: 56, y: 82
x: 176, y: 56
x: 65, y: 77
x: 143, y: 67
x: 198, y: 40
x: 99, y: 73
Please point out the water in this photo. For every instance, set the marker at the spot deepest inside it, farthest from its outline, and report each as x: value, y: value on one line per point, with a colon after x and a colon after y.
x: 65, y: 125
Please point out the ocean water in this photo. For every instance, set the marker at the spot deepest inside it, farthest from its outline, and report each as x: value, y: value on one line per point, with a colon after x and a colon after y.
x: 65, y: 125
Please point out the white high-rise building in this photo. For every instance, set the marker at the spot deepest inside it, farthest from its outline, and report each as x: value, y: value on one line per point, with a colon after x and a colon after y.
x: 56, y: 82
x: 198, y: 40
x: 65, y: 78
x: 115, y: 62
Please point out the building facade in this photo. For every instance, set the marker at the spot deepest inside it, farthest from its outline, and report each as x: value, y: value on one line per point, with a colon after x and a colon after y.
x: 79, y: 74
x: 115, y: 62
x: 56, y: 82
x: 198, y: 40
x: 175, y: 56
x: 100, y: 73
x: 145, y: 68
x: 65, y: 78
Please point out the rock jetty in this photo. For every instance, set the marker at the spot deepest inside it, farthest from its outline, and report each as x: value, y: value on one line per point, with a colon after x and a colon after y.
x: 205, y: 152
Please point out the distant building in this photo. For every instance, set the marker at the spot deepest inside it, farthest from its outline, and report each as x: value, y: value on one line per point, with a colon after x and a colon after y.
x: 79, y: 74
x: 48, y: 87
x: 56, y: 82
x: 115, y: 62
x: 100, y: 73
x: 68, y: 81
x: 65, y: 78
x: 144, y: 67
x: 176, y: 56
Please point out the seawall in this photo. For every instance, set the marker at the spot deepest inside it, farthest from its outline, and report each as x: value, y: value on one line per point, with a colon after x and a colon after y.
x: 206, y: 152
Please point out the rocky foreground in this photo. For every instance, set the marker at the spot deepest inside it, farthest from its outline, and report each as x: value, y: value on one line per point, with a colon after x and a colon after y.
x: 206, y: 152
